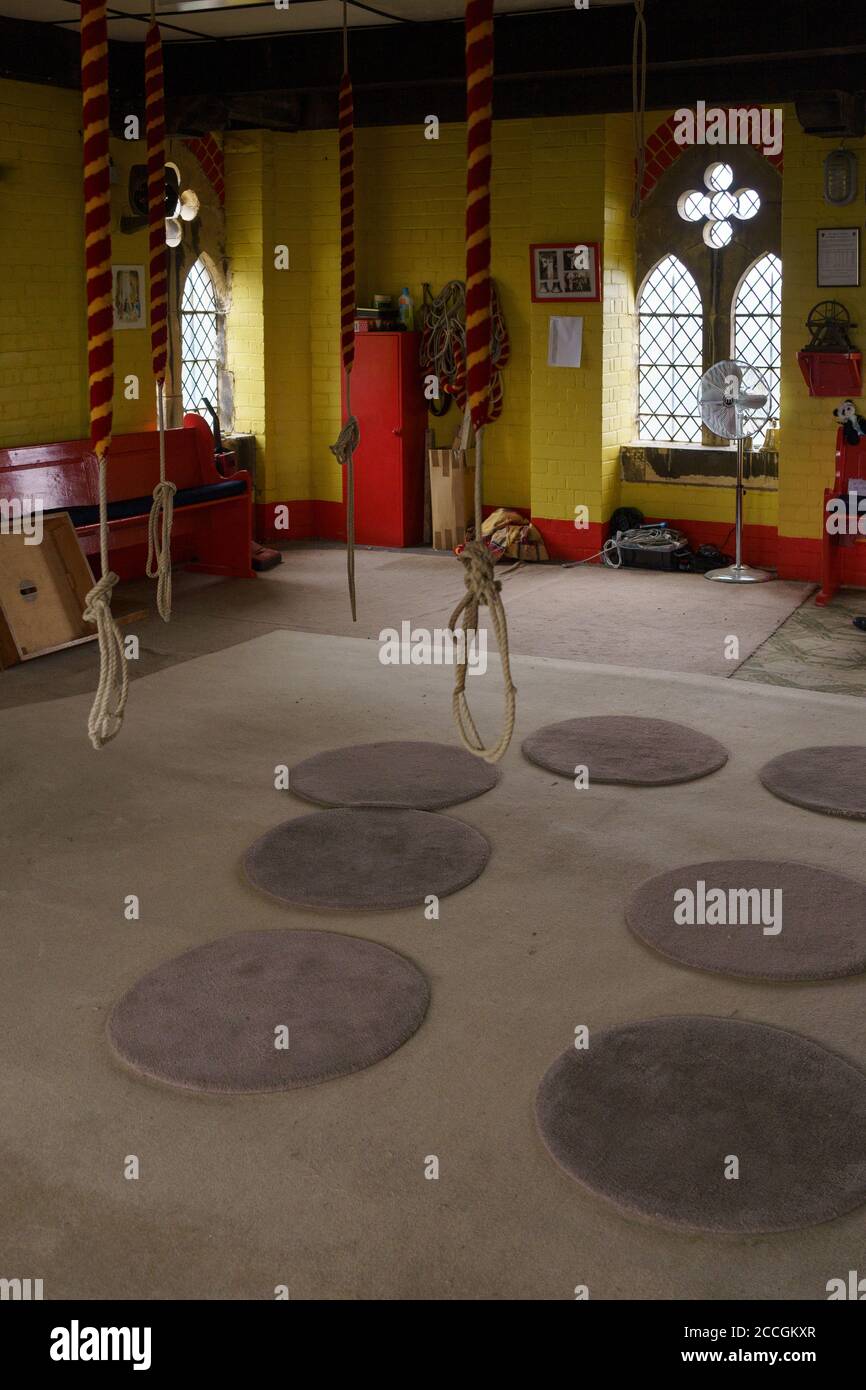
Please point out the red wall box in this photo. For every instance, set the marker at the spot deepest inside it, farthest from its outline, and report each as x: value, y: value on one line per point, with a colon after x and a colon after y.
x: 831, y: 373
x: 389, y: 405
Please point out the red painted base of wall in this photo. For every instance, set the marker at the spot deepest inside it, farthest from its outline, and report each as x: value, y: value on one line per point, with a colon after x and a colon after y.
x: 760, y: 543
x: 793, y: 557
x: 565, y: 542
x: 308, y: 521
x: 798, y: 557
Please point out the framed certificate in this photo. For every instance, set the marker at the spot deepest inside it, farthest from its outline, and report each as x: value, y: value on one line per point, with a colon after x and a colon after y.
x: 838, y: 256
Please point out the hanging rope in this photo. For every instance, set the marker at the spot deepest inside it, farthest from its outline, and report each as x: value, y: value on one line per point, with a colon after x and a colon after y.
x: 500, y: 354
x: 443, y: 334
x: 443, y: 345
x: 638, y: 101
x: 350, y: 434
x: 482, y: 588
x: 162, y: 509
x: 109, y: 703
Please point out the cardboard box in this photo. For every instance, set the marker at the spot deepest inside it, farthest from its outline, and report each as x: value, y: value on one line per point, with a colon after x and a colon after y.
x: 452, y: 488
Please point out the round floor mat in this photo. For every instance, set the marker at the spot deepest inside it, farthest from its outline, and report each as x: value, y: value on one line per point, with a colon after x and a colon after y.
x: 758, y: 919
x: 626, y: 749
x: 831, y: 780
x: 269, y: 1011
x: 356, y: 859
x: 653, y: 1114
x: 423, y: 776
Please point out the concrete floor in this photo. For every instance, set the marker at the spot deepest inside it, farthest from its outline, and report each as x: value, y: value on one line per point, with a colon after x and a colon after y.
x: 324, y: 1189
x: 675, y: 622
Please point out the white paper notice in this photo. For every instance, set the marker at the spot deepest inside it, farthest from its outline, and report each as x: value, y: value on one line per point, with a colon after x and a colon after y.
x: 564, y: 342
x: 838, y: 256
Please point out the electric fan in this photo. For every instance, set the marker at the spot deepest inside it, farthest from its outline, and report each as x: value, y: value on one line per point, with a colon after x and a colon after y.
x: 730, y: 396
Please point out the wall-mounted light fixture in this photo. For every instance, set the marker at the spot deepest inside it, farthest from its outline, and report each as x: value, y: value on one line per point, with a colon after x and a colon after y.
x: 840, y: 177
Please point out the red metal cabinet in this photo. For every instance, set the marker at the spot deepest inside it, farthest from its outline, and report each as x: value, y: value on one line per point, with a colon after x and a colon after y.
x: 388, y: 402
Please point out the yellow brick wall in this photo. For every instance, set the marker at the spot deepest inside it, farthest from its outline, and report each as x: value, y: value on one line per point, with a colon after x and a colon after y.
x: 287, y: 326
x: 807, y: 429
x: 410, y: 210
x: 43, y: 311
x: 556, y: 444
x: 545, y: 451
x: 43, y: 378
x: 565, y: 181
x: 248, y: 166
x: 684, y: 502
x: 131, y: 346
x: 619, y: 334
x: 324, y: 340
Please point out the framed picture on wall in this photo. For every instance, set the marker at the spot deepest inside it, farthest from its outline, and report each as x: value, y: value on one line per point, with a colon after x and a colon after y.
x: 838, y: 256
x: 565, y: 271
x: 128, y: 288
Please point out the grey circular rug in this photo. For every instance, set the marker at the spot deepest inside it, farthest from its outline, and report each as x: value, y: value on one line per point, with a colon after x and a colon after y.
x: 210, y: 1020
x: 652, y: 1113
x: 626, y: 749
x: 426, y: 776
x: 756, y: 918
x: 355, y: 859
x: 831, y: 779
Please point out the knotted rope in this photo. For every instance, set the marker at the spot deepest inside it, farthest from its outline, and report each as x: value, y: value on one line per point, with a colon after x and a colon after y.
x: 162, y: 509
x: 638, y: 101
x: 350, y: 434
x: 159, y: 522
x: 347, y: 440
x: 482, y: 589
x: 106, y: 714
x: 109, y: 703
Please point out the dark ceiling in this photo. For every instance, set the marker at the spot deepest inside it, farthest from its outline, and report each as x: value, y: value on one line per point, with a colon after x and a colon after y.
x: 547, y: 63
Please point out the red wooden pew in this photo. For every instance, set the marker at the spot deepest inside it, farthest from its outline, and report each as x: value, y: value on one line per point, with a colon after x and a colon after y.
x: 850, y: 463
x: 212, y: 526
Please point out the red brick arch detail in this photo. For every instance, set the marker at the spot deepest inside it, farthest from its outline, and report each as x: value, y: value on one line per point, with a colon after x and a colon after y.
x: 662, y: 151
x: 209, y: 154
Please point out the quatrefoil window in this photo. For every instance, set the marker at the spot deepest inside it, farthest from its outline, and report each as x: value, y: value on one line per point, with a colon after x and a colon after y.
x: 718, y: 205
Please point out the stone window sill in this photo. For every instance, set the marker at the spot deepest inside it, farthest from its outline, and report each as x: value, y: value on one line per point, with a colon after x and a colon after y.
x: 696, y: 465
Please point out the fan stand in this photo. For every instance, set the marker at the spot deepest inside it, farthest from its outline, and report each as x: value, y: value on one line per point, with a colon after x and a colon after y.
x: 738, y: 573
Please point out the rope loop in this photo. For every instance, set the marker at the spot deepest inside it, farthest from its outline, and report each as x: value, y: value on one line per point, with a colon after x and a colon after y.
x: 159, y: 544
x: 109, y: 702
x: 347, y: 441
x: 483, y: 590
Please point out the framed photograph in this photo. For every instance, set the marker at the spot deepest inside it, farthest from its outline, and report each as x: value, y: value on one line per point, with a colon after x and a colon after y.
x: 565, y: 272
x: 838, y: 256
x: 129, y: 291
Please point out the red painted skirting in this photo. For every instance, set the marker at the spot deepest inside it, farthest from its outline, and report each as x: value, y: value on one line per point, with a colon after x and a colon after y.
x: 794, y: 557
x: 307, y: 520
x: 565, y: 542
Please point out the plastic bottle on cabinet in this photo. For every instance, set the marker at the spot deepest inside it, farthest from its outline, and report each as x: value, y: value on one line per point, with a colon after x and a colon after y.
x: 406, y: 309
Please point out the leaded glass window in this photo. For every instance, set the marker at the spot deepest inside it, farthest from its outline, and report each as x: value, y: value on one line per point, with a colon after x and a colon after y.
x: 200, y: 339
x: 670, y: 342
x: 757, y: 335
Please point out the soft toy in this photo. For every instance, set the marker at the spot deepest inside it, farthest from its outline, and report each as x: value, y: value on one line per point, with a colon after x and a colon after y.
x: 853, y: 425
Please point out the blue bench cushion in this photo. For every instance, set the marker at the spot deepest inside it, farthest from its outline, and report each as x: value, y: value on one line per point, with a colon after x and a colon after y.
x: 140, y: 506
